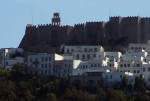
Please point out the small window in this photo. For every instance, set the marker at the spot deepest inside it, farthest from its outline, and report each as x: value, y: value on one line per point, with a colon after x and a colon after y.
x: 88, y: 56
x: 124, y: 65
x: 134, y: 71
x: 45, y: 58
x: 45, y: 65
x: 128, y: 65
x: 94, y: 55
x: 45, y: 71
x: 143, y: 69
x: 138, y: 65
x: 95, y: 49
x: 30, y: 59
x: 83, y: 56
x: 49, y: 58
x: 77, y: 56
x: 148, y: 68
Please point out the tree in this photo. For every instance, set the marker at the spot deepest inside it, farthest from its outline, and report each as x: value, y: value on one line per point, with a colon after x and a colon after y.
x: 139, y: 84
x: 124, y: 83
x: 51, y: 97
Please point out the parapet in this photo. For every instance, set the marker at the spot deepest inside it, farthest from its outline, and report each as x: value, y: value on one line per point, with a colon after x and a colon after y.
x: 30, y: 25
x: 44, y: 25
x: 79, y: 25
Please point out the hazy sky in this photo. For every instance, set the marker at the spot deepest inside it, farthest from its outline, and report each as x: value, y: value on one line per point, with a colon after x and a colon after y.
x: 16, y: 14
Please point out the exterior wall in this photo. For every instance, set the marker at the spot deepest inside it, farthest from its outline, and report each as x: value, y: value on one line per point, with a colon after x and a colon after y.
x: 135, y: 46
x: 41, y: 64
x: 71, y: 49
x: 65, y: 67
x: 114, y: 77
x: 113, y: 55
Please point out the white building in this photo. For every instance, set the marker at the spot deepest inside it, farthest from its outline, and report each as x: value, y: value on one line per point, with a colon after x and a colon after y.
x: 111, y: 78
x: 83, y: 52
x: 113, y: 56
x: 11, y: 56
x: 42, y: 63
x: 65, y: 67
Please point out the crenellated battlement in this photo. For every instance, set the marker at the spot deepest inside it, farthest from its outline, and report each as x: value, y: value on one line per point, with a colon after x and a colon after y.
x: 30, y: 25
x: 80, y: 24
x: 145, y: 17
x: 44, y: 25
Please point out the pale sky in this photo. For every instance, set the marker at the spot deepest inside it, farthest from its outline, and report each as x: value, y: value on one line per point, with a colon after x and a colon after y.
x: 16, y: 14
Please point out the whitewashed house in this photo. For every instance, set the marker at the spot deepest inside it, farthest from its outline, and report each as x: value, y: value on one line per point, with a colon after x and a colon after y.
x: 42, y: 63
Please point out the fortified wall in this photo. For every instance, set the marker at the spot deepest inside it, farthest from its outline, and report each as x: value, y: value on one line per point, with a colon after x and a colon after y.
x: 117, y: 31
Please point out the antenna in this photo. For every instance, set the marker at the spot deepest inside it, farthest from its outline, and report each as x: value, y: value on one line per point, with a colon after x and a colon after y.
x: 109, y: 12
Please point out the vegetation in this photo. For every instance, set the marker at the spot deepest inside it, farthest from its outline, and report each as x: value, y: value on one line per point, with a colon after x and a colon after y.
x: 39, y: 88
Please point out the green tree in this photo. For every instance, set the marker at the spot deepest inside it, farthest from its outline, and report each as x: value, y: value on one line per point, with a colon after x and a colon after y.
x: 124, y: 83
x: 51, y: 97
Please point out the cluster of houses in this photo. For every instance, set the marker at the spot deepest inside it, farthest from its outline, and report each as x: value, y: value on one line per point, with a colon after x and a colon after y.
x: 85, y: 63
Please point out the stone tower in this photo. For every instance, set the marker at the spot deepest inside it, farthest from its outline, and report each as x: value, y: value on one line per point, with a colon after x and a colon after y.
x: 56, y: 19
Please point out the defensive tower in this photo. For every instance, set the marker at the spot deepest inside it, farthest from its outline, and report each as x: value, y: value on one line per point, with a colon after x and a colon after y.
x: 56, y: 19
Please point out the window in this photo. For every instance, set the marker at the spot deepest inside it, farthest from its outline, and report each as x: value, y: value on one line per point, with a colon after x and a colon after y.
x: 65, y: 65
x: 69, y: 65
x: 124, y: 65
x: 91, y: 65
x: 149, y: 79
x: 45, y: 65
x: 94, y: 55
x: 121, y: 65
x: 138, y: 65
x: 120, y: 76
x: 110, y: 76
x: 134, y: 71
x: 6, y: 63
x: 45, y: 71
x: 138, y: 71
x: 128, y: 65
x: 88, y: 56
x: 30, y: 59
x: 132, y: 47
x: 148, y: 68
x: 85, y: 49
x: 95, y: 49
x: 77, y: 56
x: 45, y: 58
x: 83, y: 56
x: 143, y: 69
x: 109, y: 65
x: 49, y: 58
